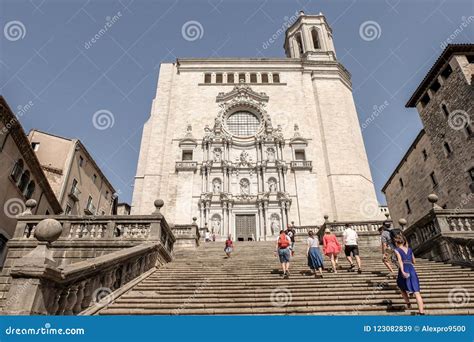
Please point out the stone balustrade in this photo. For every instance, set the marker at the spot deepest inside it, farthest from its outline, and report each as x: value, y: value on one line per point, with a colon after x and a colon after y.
x: 86, y: 257
x: 443, y: 235
x: 301, y: 165
x: 187, y: 236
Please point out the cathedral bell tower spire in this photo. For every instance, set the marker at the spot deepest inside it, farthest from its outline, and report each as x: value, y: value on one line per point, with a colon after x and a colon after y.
x: 310, y: 37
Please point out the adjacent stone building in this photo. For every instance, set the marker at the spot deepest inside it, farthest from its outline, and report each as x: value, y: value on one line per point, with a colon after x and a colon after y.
x: 247, y: 145
x: 78, y: 182
x: 441, y: 159
x: 21, y: 177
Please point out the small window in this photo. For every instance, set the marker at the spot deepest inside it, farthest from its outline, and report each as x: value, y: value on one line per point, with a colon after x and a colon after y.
x: 264, y: 78
x: 24, y: 180
x: 447, y: 149
x: 402, y: 185
x: 434, y: 181
x: 435, y: 86
x: 17, y: 170
x: 468, y: 130
x: 218, y: 78
x: 299, y: 44
x: 242, y: 78
x: 230, y: 78
x: 103, y: 213
x: 47, y: 212
x: 471, y: 174
x: 407, y: 205
x: 425, y: 154
x: 253, y: 78
x: 276, y: 78
x: 106, y: 194
x: 300, y: 155
x: 81, y: 161
x: 445, y: 110
x: 35, y: 146
x: 187, y: 155
x: 89, y: 202
x: 446, y: 72
x: 68, y: 210
x: 207, y: 78
x: 30, y: 189
x: 425, y: 99
x: 94, y: 178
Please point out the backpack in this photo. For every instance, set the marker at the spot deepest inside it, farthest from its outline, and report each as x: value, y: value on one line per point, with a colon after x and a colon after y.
x: 283, y: 241
x: 394, y: 232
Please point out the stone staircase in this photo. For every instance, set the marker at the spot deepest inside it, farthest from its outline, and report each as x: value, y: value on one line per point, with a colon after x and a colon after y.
x: 204, y: 282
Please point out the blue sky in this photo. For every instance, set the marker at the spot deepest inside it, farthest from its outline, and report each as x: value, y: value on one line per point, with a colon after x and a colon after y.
x: 44, y: 61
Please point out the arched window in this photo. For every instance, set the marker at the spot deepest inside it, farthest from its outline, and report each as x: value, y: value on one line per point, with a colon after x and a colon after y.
x: 30, y: 189
x: 17, y: 170
x: 315, y: 37
x: 24, y: 180
x: 242, y: 123
x: 299, y: 44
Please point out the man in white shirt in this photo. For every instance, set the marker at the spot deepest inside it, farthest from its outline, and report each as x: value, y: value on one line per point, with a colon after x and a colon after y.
x: 349, y: 239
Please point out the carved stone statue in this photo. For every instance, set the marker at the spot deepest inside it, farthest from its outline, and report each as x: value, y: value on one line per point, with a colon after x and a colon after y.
x: 217, y: 155
x: 271, y: 154
x: 244, y: 186
x: 216, y: 224
x: 216, y: 186
x: 275, y: 224
x: 272, y: 185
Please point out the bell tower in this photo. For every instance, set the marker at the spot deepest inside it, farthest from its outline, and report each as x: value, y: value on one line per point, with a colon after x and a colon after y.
x: 310, y: 37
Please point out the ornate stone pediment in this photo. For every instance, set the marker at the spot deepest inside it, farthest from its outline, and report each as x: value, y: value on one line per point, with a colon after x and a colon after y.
x: 242, y: 92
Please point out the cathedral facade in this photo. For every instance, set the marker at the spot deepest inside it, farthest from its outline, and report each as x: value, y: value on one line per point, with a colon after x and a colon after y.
x: 250, y: 145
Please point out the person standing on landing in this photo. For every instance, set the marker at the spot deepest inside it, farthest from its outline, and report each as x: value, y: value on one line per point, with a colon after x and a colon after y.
x: 407, y: 279
x: 331, y: 248
x: 351, y: 248
x: 315, y: 259
x: 283, y: 244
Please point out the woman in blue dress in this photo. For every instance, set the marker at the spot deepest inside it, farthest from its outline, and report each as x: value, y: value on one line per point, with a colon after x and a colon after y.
x: 407, y: 279
x: 315, y: 258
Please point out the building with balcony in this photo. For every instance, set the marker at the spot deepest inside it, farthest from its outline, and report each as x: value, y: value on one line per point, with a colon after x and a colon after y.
x: 78, y: 182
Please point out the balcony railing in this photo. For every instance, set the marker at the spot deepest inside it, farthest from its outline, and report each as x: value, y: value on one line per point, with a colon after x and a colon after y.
x: 186, y: 165
x: 301, y: 165
x: 90, y: 209
x: 74, y: 193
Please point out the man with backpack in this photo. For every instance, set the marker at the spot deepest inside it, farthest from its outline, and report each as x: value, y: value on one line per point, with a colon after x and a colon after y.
x: 283, y: 244
x: 387, y: 236
x: 291, y: 232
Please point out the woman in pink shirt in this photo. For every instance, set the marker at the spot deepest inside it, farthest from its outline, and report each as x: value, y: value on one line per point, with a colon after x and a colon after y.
x: 332, y: 248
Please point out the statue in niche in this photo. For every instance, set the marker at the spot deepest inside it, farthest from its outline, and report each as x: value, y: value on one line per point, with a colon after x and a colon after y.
x: 216, y: 186
x: 275, y: 224
x: 217, y: 155
x: 216, y: 224
x: 243, y: 157
x: 270, y: 154
x: 244, y: 186
x: 272, y: 185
